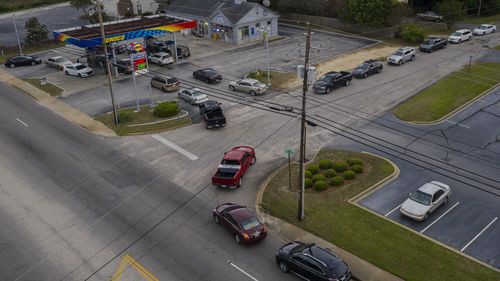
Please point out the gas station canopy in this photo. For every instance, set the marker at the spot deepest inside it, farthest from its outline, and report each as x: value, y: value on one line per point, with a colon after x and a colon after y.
x: 90, y: 35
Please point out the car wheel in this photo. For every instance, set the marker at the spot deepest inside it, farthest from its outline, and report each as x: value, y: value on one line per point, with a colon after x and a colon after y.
x: 164, y: 89
x: 347, y: 82
x: 399, y: 62
x: 12, y: 65
x: 446, y: 200
x: 231, y: 87
x: 426, y: 217
x: 195, y: 76
x: 79, y: 75
x: 328, y: 90
x: 240, y: 182
x: 237, y: 238
x: 66, y: 72
x: 470, y: 38
x: 484, y: 33
x: 459, y: 41
x: 253, y: 160
x: 412, y: 58
x: 33, y: 63
x: 365, y: 75
x: 431, y: 50
x: 216, y: 219
x: 283, y: 266
x: 253, y: 93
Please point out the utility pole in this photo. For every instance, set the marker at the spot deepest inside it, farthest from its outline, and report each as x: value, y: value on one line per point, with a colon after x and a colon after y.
x: 17, y: 35
x: 108, y: 66
x: 266, y: 38
x: 303, y: 127
x: 479, y: 9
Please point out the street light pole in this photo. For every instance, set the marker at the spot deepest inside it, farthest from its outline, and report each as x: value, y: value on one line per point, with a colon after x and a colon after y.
x: 17, y: 35
x: 303, y: 127
x: 266, y: 38
x: 106, y: 59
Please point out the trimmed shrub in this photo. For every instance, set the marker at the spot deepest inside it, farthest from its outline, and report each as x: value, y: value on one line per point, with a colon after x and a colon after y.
x: 166, y: 109
x: 336, y: 181
x: 413, y: 33
x: 308, y: 183
x: 325, y: 164
x: 349, y: 175
x: 340, y: 166
x: 355, y: 161
x: 125, y: 116
x: 314, y: 169
x: 330, y: 173
x: 320, y: 185
x: 318, y: 177
x: 308, y: 174
x: 358, y: 169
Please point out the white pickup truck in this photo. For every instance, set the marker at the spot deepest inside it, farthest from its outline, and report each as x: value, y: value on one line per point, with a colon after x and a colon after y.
x: 430, y: 16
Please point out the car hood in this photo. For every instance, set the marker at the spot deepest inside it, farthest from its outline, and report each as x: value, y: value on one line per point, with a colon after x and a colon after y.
x: 340, y: 269
x: 320, y: 83
x: 454, y: 37
x: 85, y: 69
x: 425, y: 46
x: 358, y: 71
x: 394, y: 57
x: 414, y: 208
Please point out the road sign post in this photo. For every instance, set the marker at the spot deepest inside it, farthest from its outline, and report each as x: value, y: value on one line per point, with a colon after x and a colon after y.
x: 289, y: 152
x: 140, y: 65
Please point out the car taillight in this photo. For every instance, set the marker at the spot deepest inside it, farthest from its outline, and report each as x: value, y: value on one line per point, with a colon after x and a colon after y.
x: 245, y: 236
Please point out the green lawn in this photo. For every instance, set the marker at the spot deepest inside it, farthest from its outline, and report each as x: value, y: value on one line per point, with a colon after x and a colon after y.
x: 449, y: 93
x: 497, y: 47
x: 278, y: 79
x: 364, y: 234
x: 50, y: 88
x: 144, y: 116
x: 9, y: 6
x: 483, y: 19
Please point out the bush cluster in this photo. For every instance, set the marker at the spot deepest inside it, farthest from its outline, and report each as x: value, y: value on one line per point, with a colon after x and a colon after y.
x: 349, y: 175
x: 325, y: 164
x: 125, y: 116
x: 308, y: 174
x: 313, y: 168
x: 166, y: 109
x: 320, y: 185
x: 358, y: 169
x: 308, y: 183
x: 340, y: 166
x: 355, y: 161
x: 336, y: 181
x: 330, y: 173
x: 413, y: 33
x: 318, y: 177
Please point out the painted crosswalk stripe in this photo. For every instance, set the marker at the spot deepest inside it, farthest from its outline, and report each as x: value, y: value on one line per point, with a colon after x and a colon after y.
x: 175, y: 147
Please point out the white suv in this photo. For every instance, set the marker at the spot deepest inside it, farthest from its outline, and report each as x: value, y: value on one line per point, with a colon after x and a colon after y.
x: 402, y: 55
x: 460, y: 35
x: 161, y: 58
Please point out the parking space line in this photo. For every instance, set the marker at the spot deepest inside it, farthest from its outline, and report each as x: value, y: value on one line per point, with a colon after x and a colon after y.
x: 447, y: 211
x: 242, y: 271
x: 479, y: 234
x: 397, y: 207
x: 21, y: 121
x: 175, y: 147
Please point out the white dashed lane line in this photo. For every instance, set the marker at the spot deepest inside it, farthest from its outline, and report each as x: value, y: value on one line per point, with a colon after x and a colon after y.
x: 479, y: 234
x: 21, y: 121
x: 447, y: 211
x: 242, y: 271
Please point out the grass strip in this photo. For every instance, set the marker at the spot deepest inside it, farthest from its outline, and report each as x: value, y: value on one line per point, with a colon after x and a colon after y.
x: 449, y: 93
x: 374, y: 239
x: 50, y: 88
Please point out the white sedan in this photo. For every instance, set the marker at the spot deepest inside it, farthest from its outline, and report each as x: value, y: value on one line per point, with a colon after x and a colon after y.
x: 161, y: 58
x: 193, y: 96
x: 78, y: 69
x: 484, y: 29
x: 425, y: 200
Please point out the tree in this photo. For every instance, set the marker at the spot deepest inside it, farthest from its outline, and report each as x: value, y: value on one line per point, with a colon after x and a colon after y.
x: 452, y: 11
x: 94, y: 18
x: 370, y: 11
x: 35, y: 31
x: 82, y: 5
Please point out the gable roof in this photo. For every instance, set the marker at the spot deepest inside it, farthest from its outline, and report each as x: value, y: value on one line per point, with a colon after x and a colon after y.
x: 203, y: 8
x: 235, y: 12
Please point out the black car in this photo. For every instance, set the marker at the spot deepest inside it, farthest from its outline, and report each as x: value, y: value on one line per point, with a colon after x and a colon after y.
x: 212, y: 114
x: 368, y: 67
x: 312, y: 262
x: 124, y: 66
x: 22, y: 60
x: 433, y: 43
x: 331, y: 80
x: 207, y: 75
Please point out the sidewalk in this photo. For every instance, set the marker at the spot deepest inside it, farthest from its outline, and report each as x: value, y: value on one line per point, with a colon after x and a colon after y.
x: 62, y: 109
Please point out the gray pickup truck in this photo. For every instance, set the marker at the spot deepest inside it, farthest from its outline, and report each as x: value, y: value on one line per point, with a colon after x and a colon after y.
x: 430, y: 16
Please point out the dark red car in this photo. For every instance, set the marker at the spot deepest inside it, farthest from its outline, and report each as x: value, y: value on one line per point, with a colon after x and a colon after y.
x: 244, y: 225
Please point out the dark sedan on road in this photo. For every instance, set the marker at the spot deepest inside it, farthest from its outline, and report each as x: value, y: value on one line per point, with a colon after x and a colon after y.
x: 244, y: 225
x: 22, y: 60
x: 432, y: 44
x: 207, y: 75
x: 312, y: 262
x: 367, y: 68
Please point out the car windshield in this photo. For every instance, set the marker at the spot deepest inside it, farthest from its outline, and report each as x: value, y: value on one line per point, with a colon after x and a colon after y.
x: 398, y: 53
x: 421, y: 197
x: 250, y: 223
x: 456, y: 34
x: 210, y: 71
x: 482, y: 27
x: 427, y: 42
x: 81, y: 66
x: 197, y: 94
x: 364, y: 65
x: 172, y: 80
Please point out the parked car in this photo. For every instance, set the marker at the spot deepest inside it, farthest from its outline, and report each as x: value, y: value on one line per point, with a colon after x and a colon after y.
x: 233, y: 166
x: 368, y: 67
x: 78, y: 69
x: 333, y: 79
x: 250, y: 86
x: 460, y: 35
x: 166, y: 83
x: 402, y: 55
x: 425, y: 200
x: 433, y: 43
x: 22, y: 61
x: 182, y: 51
x: 124, y: 66
x: 484, y: 29
x: 244, y: 225
x: 207, y: 75
x: 430, y: 16
x: 57, y: 62
x: 161, y: 58
x: 212, y: 114
x: 193, y: 96
x: 312, y: 262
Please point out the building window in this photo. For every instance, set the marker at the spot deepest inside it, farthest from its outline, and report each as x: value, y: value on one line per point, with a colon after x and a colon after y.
x: 268, y: 22
x: 244, y: 30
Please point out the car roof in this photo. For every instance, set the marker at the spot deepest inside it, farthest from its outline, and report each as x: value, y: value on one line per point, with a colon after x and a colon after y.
x: 207, y: 69
x: 240, y: 213
x: 431, y: 187
x: 403, y: 49
x: 234, y: 155
x: 328, y: 258
x: 56, y: 57
x: 331, y: 73
x: 249, y: 80
x: 462, y: 30
x: 370, y: 61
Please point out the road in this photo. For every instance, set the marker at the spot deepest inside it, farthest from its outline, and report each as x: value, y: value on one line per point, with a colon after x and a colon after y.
x: 72, y: 204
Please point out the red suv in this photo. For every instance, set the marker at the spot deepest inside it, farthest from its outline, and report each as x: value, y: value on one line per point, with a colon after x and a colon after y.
x: 244, y: 225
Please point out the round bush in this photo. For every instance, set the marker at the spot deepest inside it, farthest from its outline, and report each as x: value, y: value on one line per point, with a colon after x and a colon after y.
x: 166, y: 109
x: 320, y: 185
x: 325, y: 164
x: 340, y: 166
x: 308, y: 183
x: 308, y: 174
x: 125, y: 116
x: 318, y: 177
x: 330, y: 173
x: 358, y: 169
x: 336, y: 181
x: 314, y: 169
x: 355, y: 161
x: 413, y: 33
x: 349, y: 175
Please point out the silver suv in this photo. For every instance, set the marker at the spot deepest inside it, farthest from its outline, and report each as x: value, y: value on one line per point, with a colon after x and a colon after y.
x: 251, y: 86
x: 402, y: 55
